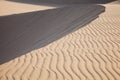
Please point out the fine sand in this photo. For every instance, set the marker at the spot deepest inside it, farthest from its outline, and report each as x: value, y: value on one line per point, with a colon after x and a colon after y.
x: 90, y: 53
x: 22, y: 33
x: 10, y: 8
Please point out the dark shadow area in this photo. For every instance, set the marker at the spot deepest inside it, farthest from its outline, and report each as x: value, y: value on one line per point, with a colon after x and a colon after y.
x: 22, y: 33
x: 54, y: 2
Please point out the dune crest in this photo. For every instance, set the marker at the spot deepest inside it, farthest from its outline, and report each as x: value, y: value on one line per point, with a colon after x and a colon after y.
x: 89, y: 53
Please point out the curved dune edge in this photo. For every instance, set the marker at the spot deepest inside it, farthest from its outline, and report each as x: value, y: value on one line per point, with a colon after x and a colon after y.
x: 90, y: 53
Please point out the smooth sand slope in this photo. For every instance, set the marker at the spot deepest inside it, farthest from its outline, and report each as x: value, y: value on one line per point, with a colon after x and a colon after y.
x: 90, y: 53
x: 10, y: 8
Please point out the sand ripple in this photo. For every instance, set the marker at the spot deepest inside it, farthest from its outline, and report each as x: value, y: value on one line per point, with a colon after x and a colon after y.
x: 90, y: 53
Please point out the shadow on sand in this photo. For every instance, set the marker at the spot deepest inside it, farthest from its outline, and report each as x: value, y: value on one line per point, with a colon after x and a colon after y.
x: 58, y: 2
x: 22, y: 33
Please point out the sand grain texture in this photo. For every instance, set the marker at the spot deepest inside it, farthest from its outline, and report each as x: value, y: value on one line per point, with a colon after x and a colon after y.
x: 90, y: 53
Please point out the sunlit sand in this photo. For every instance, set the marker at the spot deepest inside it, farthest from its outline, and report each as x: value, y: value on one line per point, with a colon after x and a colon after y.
x: 89, y: 53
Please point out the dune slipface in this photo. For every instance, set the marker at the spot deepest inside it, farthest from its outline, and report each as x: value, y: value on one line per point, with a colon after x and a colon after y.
x: 90, y: 53
x: 21, y: 33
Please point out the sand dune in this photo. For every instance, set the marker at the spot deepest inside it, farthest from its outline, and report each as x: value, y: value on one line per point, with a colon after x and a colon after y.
x: 65, y: 1
x: 11, y: 8
x: 22, y: 33
x: 90, y: 53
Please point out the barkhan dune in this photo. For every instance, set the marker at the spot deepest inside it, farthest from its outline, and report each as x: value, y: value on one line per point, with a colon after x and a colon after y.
x: 89, y: 53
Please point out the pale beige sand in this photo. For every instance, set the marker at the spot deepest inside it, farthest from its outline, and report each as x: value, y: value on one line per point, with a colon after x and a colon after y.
x: 10, y: 8
x: 115, y: 2
x: 90, y: 53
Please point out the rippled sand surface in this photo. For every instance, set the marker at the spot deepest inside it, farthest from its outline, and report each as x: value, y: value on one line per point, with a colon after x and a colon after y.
x: 90, y: 53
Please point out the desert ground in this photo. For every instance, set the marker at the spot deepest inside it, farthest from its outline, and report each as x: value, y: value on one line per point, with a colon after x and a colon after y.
x: 91, y: 52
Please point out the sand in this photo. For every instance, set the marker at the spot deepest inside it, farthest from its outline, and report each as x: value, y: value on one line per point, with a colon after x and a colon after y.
x: 10, y: 8
x: 22, y: 33
x: 90, y: 53
x: 115, y: 2
x: 65, y: 1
